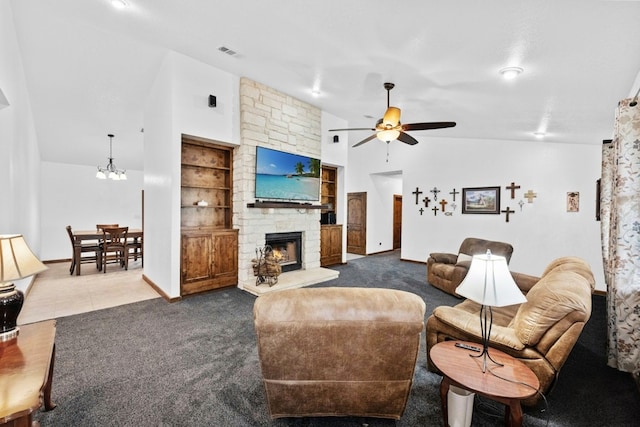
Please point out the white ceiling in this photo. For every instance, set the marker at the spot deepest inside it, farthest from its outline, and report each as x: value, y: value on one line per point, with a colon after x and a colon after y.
x: 89, y: 67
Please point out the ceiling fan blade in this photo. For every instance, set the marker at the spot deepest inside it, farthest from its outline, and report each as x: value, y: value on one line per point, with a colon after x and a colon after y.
x: 407, y: 139
x: 339, y: 130
x: 366, y: 140
x: 426, y: 126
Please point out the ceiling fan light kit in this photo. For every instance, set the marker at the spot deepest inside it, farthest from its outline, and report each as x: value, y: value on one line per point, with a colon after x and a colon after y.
x: 389, y: 128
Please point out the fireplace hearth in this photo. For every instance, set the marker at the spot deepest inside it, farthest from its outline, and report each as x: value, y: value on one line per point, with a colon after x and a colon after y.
x: 287, y: 247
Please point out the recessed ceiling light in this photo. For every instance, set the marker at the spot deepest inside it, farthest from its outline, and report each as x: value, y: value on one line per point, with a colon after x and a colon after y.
x: 539, y: 135
x: 119, y: 4
x: 511, y: 72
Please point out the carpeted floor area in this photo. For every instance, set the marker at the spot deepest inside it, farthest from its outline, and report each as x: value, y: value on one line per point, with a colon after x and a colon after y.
x: 194, y: 362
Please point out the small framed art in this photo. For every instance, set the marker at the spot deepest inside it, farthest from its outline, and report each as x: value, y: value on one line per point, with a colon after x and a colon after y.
x: 573, y: 201
x: 481, y: 200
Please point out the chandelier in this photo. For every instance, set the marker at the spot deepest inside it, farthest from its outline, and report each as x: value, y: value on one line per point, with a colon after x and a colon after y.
x: 111, y: 171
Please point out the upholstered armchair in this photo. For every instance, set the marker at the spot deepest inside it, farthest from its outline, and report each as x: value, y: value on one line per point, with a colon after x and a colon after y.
x: 445, y: 271
x: 338, y: 351
x: 540, y: 332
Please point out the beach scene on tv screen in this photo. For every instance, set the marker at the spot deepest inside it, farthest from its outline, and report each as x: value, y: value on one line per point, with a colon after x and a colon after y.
x: 286, y: 176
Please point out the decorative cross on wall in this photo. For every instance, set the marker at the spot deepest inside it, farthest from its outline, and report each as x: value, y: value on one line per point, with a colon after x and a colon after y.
x: 454, y: 192
x: 513, y: 187
x: 435, y: 210
x: 426, y: 201
x: 530, y: 195
x: 508, y: 211
x: 443, y: 202
x: 435, y: 192
x: 421, y: 210
x: 417, y: 193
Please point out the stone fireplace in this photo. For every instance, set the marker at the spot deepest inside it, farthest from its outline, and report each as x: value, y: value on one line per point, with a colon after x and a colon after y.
x: 287, y: 248
x: 269, y: 118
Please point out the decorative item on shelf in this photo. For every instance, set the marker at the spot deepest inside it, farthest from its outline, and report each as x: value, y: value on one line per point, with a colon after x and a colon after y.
x: 202, y: 203
x: 489, y: 283
x: 111, y: 171
x: 16, y: 262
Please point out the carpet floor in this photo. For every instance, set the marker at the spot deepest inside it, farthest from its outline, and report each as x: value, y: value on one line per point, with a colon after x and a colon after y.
x: 195, y: 362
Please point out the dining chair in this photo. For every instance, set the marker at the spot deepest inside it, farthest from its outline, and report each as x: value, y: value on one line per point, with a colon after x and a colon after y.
x: 88, y: 248
x: 135, y: 249
x: 99, y: 227
x: 113, y: 247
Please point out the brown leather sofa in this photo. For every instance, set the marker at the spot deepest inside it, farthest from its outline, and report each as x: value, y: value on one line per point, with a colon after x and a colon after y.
x: 540, y: 332
x: 445, y: 271
x: 338, y: 351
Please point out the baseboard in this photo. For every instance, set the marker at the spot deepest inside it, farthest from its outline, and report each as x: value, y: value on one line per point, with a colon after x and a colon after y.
x: 160, y: 291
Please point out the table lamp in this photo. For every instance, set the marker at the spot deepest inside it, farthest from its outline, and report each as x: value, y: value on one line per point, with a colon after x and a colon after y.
x: 16, y: 262
x: 490, y: 284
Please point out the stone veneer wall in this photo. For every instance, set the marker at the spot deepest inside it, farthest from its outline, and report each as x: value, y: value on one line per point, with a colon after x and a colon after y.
x: 269, y: 118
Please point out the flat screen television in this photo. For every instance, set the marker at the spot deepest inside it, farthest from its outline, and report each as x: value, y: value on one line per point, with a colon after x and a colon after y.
x: 286, y: 176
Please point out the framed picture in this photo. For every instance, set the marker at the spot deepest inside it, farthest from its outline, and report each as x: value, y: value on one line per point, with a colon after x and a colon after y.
x: 481, y: 200
x: 573, y: 201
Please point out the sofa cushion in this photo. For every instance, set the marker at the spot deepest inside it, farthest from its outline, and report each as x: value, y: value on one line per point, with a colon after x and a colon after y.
x: 558, y: 294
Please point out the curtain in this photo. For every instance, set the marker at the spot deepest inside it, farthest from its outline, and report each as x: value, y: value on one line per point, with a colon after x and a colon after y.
x: 620, y: 231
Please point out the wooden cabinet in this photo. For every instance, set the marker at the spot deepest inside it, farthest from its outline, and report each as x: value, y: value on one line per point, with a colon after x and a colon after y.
x: 330, y: 245
x: 209, y: 247
x: 209, y: 260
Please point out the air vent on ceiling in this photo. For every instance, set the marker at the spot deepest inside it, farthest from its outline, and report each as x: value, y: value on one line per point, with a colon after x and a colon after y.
x: 227, y: 51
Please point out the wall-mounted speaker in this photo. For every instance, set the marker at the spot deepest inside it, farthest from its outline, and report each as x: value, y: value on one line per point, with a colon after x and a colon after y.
x: 212, y: 101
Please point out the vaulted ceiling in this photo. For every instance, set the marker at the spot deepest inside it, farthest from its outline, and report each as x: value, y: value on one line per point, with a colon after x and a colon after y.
x: 89, y: 66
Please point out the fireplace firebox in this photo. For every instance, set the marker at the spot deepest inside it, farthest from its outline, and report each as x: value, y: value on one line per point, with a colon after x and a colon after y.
x: 287, y: 247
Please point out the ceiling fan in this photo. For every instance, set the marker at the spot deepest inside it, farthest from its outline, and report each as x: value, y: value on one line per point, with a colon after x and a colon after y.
x: 389, y: 128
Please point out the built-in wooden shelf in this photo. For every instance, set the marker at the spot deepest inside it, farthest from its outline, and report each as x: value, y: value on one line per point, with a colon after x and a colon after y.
x: 285, y: 205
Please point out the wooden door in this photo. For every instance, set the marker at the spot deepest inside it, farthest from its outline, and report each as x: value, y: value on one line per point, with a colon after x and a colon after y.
x: 397, y: 221
x: 357, y: 223
x: 225, y: 257
x: 196, y: 257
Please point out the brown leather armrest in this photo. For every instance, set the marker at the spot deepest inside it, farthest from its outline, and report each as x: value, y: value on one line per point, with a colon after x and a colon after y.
x: 444, y: 257
x: 470, y: 324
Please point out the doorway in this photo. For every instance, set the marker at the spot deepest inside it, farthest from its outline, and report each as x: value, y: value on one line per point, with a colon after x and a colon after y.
x: 357, y: 223
x: 397, y: 221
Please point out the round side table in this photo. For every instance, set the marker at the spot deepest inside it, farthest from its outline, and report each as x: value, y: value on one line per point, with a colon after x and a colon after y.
x: 511, y: 383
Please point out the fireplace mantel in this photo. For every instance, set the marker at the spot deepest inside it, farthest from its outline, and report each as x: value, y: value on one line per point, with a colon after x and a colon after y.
x: 285, y: 205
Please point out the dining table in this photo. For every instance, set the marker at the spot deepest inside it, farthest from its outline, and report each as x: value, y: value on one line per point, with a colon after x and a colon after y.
x: 83, y: 235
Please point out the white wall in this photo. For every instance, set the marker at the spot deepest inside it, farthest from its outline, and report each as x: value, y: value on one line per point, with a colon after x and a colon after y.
x: 72, y: 195
x: 178, y: 104
x: 540, y: 232
x: 19, y: 153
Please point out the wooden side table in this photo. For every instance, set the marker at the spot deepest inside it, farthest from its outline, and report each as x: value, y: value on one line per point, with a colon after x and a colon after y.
x: 507, y: 386
x: 26, y: 372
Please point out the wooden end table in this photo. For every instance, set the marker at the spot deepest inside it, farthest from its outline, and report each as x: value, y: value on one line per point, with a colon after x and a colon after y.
x: 459, y: 369
x: 26, y: 372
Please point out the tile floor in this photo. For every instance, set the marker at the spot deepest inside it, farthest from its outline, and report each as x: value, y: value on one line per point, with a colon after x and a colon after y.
x: 55, y: 293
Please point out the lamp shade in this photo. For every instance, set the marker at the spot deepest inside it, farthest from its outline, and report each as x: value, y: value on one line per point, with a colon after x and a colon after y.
x: 16, y: 259
x: 388, y: 135
x: 490, y: 283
